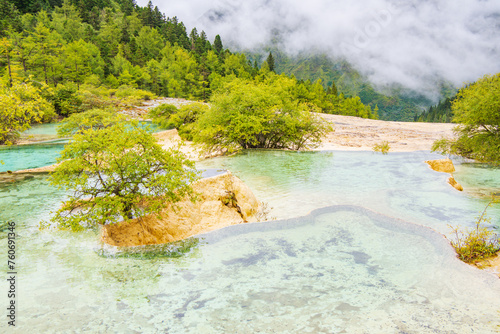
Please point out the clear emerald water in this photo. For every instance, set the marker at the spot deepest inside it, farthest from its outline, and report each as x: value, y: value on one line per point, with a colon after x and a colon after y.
x: 20, y: 157
x: 480, y: 179
x: 362, y: 262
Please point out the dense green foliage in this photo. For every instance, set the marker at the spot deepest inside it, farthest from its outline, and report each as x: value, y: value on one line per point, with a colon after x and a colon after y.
x: 440, y: 113
x: 118, y: 172
x: 138, y: 47
x: 110, y: 54
x: 112, y: 44
x: 477, y: 110
x: 21, y: 105
x: 261, y: 113
x: 161, y: 115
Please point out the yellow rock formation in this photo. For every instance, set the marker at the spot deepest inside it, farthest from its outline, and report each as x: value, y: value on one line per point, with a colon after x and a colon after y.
x: 455, y: 184
x: 442, y: 165
x: 446, y: 166
x: 223, y: 200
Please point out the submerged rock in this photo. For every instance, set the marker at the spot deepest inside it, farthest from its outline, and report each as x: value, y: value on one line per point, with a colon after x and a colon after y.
x: 223, y: 200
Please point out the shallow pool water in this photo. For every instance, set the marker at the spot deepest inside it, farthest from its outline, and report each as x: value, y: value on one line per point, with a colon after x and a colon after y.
x: 20, y: 157
x: 479, y: 179
x: 400, y: 185
x: 347, y: 258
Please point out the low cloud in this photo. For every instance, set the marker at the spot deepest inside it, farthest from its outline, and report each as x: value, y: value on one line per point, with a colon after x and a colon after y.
x: 416, y: 44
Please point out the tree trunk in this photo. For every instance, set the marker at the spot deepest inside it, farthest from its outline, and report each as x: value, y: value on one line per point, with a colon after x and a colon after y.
x: 45, y: 73
x: 10, y: 72
x: 76, y: 77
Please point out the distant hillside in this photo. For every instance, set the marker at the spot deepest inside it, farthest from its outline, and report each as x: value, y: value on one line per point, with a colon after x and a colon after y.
x: 439, y: 113
x: 399, y: 104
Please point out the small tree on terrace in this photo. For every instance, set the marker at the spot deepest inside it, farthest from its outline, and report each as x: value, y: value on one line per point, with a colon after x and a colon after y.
x: 247, y: 114
x: 118, y: 172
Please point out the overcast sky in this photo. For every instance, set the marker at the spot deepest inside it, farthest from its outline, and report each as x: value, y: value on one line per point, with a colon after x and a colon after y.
x: 413, y: 43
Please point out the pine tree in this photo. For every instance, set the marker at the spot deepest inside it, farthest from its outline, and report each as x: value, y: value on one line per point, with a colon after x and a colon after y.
x: 332, y: 90
x: 218, y: 45
x: 270, y: 62
x: 193, y: 38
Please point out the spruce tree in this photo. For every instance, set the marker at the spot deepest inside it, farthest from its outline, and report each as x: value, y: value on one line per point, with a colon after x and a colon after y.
x: 217, y: 45
x: 332, y: 90
x: 193, y: 38
x: 270, y: 62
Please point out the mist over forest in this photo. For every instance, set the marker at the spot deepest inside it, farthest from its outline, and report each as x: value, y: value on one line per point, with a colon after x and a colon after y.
x: 415, y: 44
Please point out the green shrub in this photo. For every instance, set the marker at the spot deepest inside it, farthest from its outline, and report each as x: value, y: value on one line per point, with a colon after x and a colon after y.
x: 248, y: 114
x: 478, y: 243
x: 383, y: 147
x: 131, y: 92
x: 20, y: 106
x: 118, y: 173
x: 476, y: 109
x: 161, y: 115
x: 91, y: 100
x: 183, y: 119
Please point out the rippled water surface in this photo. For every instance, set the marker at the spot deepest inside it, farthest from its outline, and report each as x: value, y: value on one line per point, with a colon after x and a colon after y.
x: 364, y: 260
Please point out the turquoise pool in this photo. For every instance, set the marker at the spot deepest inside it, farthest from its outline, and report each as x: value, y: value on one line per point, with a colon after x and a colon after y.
x: 354, y: 251
x: 19, y: 157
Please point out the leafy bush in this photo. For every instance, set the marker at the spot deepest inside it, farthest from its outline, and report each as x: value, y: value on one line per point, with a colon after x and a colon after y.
x: 134, y: 93
x: 91, y: 97
x: 183, y: 119
x: 161, y: 115
x: 93, y: 100
x: 476, y: 244
x: 383, y: 147
x: 248, y: 114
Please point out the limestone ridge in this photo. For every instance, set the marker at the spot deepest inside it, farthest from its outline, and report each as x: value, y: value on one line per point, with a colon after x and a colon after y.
x: 222, y: 200
x: 445, y: 166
